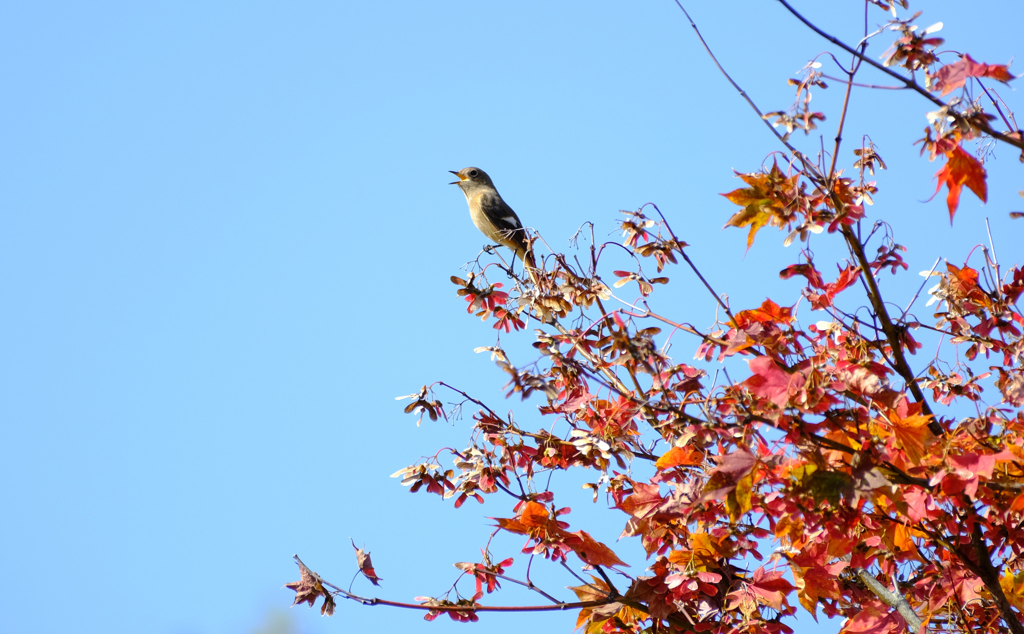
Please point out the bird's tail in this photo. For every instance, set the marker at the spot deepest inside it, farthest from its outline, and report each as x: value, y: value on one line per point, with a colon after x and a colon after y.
x: 525, y: 252
x: 526, y: 255
x: 520, y: 244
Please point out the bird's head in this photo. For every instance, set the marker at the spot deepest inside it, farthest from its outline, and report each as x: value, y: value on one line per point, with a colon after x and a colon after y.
x: 472, y: 177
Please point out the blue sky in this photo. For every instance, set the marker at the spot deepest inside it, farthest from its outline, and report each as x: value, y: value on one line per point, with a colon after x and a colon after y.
x: 227, y: 233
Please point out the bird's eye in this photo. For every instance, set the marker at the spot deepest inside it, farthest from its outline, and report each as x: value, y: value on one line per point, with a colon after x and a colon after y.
x: 473, y: 172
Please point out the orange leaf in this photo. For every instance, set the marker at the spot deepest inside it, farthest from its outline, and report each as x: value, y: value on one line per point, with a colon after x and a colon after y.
x: 677, y: 456
x: 790, y: 530
x: 768, y: 312
x: 592, y: 551
x: 532, y: 516
x: 704, y: 553
x: 769, y: 198
x: 961, y: 169
x: 897, y: 538
x: 913, y: 435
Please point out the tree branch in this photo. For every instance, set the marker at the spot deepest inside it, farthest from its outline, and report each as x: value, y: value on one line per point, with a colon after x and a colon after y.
x: 890, y: 330
x: 892, y: 598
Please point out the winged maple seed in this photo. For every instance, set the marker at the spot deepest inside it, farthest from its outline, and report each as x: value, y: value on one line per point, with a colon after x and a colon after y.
x: 422, y: 405
x: 485, y: 573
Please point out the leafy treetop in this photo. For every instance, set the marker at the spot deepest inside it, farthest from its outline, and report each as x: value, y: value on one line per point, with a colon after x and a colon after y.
x: 836, y: 473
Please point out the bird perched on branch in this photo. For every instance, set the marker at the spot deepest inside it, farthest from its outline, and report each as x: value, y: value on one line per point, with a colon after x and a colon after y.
x: 492, y: 215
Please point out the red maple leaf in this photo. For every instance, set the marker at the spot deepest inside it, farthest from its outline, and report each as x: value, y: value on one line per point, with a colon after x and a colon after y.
x: 772, y: 382
x: 823, y: 300
x: 953, y: 76
x: 875, y: 618
x: 961, y: 169
x: 764, y: 588
x: 644, y: 501
x: 770, y: 588
x: 736, y: 464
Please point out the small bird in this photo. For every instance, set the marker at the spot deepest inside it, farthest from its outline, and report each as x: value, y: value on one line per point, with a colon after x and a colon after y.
x: 492, y: 215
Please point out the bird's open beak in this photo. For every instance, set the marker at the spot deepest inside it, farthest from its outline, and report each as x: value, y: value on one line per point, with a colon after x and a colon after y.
x: 461, y: 177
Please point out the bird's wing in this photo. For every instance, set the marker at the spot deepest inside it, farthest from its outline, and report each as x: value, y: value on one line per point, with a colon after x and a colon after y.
x: 508, y: 230
x: 499, y: 213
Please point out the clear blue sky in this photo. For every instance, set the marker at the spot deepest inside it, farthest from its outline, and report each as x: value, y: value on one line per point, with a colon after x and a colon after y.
x: 227, y: 233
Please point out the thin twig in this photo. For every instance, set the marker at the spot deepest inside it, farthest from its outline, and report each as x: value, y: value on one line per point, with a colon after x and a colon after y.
x: 854, y: 65
x: 806, y: 162
x: 681, y: 251
x: 919, y: 289
x: 995, y: 257
x: 977, y: 122
x: 860, y: 85
x: 995, y: 104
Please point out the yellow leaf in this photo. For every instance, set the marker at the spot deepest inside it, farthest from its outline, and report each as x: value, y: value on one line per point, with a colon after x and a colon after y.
x: 738, y: 503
